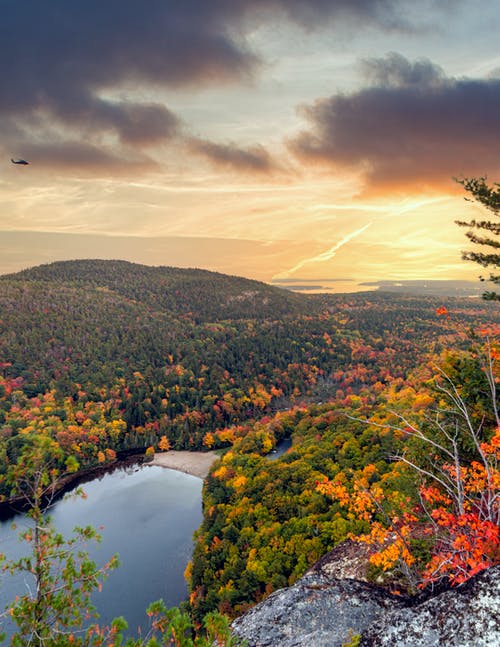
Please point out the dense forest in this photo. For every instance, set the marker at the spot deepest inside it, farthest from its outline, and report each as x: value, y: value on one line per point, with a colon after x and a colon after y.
x: 100, y: 357
x: 266, y: 521
x: 114, y: 356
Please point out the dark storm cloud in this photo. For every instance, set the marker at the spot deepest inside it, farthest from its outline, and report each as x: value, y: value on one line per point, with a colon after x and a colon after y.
x: 136, y: 124
x: 411, y: 126
x: 253, y: 160
x: 61, y: 58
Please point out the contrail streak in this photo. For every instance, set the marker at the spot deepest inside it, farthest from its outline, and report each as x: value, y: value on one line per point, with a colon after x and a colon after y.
x: 325, y: 256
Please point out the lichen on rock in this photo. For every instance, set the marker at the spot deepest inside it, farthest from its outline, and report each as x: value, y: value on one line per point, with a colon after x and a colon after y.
x: 321, y: 610
x: 467, y: 615
x: 317, y: 611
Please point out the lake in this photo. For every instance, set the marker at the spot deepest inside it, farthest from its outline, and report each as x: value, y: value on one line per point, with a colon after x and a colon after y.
x: 148, y: 515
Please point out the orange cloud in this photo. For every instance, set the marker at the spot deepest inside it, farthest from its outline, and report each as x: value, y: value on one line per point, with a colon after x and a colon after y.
x: 412, y: 127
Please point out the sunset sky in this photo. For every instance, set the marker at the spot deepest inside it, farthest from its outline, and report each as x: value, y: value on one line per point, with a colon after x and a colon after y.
x: 273, y: 139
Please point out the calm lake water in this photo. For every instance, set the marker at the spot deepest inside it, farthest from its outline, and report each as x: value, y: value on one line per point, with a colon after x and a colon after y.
x: 148, y: 515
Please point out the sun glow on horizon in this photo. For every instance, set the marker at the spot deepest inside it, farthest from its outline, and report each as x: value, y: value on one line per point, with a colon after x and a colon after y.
x: 328, y: 148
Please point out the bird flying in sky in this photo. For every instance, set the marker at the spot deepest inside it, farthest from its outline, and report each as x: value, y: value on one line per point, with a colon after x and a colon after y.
x: 19, y: 161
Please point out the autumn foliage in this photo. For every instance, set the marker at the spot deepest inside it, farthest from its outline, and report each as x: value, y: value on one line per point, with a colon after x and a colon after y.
x: 456, y: 514
x: 97, y: 361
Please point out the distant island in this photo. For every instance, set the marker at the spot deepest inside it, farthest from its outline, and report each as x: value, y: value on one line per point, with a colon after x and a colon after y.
x: 433, y: 287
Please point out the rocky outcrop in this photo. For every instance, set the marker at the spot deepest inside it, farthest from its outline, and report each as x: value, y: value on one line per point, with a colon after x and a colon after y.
x: 317, y: 611
x: 321, y: 610
x: 466, y: 615
x: 348, y: 560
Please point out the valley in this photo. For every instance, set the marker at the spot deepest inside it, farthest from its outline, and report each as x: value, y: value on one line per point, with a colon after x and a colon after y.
x: 102, y: 358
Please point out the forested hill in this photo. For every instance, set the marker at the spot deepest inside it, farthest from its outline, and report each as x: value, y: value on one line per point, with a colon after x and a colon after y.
x: 109, y: 355
x: 101, y: 357
x: 204, y: 295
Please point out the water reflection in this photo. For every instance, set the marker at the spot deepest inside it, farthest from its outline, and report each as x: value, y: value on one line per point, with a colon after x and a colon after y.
x: 148, y: 516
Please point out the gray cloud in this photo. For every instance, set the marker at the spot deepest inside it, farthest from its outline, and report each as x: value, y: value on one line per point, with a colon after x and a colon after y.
x: 61, y: 61
x: 84, y: 158
x: 383, y: 13
x: 411, y: 126
x: 134, y: 123
x: 253, y: 160
x: 396, y: 71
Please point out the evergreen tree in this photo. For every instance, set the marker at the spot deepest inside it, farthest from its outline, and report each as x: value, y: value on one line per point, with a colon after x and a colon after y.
x: 488, y: 196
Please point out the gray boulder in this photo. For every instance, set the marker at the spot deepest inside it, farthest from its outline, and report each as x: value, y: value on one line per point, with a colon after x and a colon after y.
x: 468, y: 615
x: 349, y: 560
x: 316, y: 611
x: 325, y: 609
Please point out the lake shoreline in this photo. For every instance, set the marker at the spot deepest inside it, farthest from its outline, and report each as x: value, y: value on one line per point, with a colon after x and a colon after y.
x: 132, y: 507
x: 19, y: 504
x: 194, y: 463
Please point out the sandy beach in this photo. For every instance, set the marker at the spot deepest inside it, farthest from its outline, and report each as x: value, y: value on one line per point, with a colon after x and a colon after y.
x: 194, y: 463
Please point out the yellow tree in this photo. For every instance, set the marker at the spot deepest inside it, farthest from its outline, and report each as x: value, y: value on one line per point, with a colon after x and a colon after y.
x: 455, y: 459
x: 164, y: 444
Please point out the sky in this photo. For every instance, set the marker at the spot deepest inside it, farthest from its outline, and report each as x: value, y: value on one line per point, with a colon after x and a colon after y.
x: 282, y: 140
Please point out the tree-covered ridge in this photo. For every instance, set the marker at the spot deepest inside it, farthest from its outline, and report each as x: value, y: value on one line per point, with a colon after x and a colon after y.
x: 199, y: 294
x: 95, y: 354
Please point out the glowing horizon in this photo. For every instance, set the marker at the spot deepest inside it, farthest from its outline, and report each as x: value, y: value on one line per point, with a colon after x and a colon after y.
x: 319, y: 137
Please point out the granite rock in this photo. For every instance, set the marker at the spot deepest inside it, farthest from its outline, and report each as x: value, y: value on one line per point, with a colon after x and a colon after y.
x: 316, y: 611
x: 325, y: 610
x: 468, y: 615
